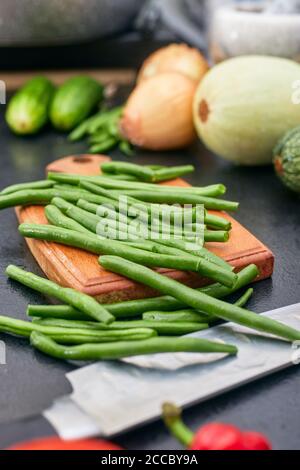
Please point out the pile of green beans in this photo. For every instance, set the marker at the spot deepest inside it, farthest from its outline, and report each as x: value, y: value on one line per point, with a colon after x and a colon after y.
x: 80, y: 339
x: 103, y: 133
x: 80, y: 301
x: 113, y: 247
x: 85, y: 212
x: 89, y: 352
x: 198, y: 300
x: 135, y: 308
x: 125, y: 226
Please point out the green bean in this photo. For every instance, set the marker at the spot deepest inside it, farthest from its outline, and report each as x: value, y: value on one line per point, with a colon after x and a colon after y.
x: 214, y: 190
x: 104, y: 119
x: 146, y: 173
x: 24, y: 197
x: 171, y: 173
x: 191, y: 315
x: 80, y: 131
x: 162, y: 328
x: 105, y: 246
x: 103, y: 337
x: 113, y: 184
x: 217, y: 236
x: 126, y: 148
x: 99, y: 137
x: 108, y: 144
x: 187, y: 315
x: 195, y: 251
x: 44, y: 184
x: 43, y: 197
x: 55, y: 311
x: 198, y: 300
x: 217, y: 222
x: 120, y: 177
x: 141, y: 172
x: 241, y: 302
x: 56, y: 217
x: 74, y: 335
x: 68, y: 187
x: 127, y: 349
x: 70, y: 296
x: 156, y: 167
x: 160, y: 197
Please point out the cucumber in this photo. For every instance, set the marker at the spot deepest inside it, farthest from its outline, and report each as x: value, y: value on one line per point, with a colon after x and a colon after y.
x: 27, y: 111
x: 74, y: 101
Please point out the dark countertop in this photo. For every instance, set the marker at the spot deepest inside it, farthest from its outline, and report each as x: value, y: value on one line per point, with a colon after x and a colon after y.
x: 30, y: 381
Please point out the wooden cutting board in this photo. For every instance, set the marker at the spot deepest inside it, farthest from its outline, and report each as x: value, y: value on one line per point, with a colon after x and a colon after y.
x: 76, y: 268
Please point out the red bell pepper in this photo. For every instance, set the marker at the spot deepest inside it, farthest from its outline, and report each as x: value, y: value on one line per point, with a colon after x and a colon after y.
x: 214, y: 436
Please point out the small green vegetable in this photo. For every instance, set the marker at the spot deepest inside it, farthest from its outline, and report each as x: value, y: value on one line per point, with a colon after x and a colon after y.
x: 74, y: 101
x: 27, y: 111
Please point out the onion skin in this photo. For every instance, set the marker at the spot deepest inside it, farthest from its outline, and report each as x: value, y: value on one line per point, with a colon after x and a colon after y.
x: 159, y: 113
x: 244, y: 105
x: 179, y: 58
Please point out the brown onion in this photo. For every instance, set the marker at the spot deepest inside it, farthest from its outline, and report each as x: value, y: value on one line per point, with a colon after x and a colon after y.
x: 158, y: 114
x: 178, y: 58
